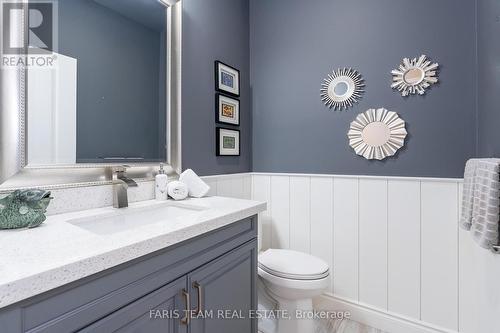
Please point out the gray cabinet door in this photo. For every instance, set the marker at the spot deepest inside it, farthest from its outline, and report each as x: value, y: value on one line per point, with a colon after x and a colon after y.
x: 159, y: 311
x: 223, y: 293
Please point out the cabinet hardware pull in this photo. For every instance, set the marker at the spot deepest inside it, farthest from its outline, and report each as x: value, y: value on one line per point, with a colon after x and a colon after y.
x: 198, y: 287
x: 187, y: 316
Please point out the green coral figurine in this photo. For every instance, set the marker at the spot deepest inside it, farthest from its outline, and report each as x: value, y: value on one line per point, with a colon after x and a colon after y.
x: 24, y: 209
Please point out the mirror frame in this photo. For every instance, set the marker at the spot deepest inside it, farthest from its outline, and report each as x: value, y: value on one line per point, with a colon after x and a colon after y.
x: 394, y: 124
x: 14, y: 171
x: 428, y: 69
x: 355, y: 88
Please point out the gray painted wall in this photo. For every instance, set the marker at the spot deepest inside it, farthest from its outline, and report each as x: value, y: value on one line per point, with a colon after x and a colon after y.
x: 213, y: 30
x: 488, y: 46
x: 295, y: 44
x: 118, y: 75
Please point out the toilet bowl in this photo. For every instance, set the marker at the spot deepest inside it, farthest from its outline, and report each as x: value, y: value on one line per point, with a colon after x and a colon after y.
x: 292, y: 279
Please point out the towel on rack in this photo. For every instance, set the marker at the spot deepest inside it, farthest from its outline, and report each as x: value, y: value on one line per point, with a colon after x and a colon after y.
x: 468, y: 194
x: 481, y: 201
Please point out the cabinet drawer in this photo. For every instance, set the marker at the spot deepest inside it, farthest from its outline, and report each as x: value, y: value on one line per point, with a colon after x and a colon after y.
x: 153, y: 313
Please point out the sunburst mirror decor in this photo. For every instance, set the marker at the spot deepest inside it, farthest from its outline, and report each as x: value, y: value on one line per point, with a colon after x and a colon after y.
x: 377, y: 134
x: 414, y: 76
x: 342, y: 88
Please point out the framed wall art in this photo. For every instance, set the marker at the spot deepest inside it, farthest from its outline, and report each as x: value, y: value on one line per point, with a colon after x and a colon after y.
x: 227, y: 110
x: 227, y: 79
x: 228, y: 142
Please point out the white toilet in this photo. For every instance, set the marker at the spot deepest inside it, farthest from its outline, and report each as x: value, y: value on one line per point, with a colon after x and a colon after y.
x: 291, y: 279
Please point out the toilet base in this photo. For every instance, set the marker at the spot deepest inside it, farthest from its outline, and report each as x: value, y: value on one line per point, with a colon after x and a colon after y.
x: 296, y: 321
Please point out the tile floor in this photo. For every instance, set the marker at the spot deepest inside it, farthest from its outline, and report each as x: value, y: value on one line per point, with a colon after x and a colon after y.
x: 343, y: 326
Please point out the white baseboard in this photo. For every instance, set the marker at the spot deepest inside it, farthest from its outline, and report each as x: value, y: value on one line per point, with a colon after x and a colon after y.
x: 383, y: 320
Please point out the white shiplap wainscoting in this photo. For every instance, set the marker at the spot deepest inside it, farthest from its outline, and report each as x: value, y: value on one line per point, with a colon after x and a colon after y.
x: 238, y: 185
x: 400, y: 262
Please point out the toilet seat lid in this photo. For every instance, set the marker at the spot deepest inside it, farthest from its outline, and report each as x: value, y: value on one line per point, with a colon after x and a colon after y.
x: 293, y: 265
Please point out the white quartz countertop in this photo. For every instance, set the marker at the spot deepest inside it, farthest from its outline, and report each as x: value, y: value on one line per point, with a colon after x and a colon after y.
x: 33, y: 261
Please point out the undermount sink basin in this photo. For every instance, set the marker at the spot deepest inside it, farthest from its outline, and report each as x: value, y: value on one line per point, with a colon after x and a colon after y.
x: 119, y: 220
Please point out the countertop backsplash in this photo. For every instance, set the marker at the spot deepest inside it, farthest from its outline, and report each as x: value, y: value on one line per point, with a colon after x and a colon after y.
x: 74, y: 199
x: 82, y: 198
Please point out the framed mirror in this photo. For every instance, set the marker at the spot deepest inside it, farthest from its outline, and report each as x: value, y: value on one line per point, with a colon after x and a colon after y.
x: 96, y: 84
x: 415, y: 76
x: 342, y: 88
x: 377, y: 134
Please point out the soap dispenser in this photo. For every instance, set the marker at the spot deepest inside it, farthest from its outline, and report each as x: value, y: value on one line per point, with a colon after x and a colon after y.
x: 161, y: 181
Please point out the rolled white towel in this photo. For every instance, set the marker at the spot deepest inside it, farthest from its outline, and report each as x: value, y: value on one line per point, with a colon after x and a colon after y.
x: 177, y: 190
x: 197, y: 187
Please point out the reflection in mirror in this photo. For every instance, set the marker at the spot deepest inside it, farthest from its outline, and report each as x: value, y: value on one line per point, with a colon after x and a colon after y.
x: 341, y: 88
x: 376, y: 134
x: 414, y: 76
x: 105, y: 99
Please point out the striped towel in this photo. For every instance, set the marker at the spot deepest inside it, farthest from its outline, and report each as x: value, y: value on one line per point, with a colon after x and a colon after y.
x: 481, y: 201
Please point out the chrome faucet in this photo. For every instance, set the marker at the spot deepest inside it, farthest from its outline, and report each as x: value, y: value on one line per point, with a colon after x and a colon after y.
x: 121, y: 183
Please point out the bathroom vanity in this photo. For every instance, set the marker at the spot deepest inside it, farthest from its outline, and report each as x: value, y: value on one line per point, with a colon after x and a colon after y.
x: 134, y: 270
